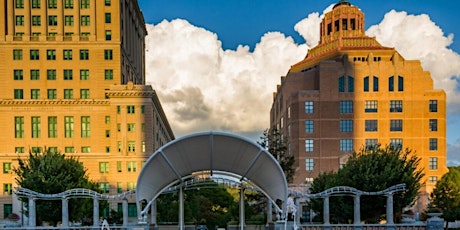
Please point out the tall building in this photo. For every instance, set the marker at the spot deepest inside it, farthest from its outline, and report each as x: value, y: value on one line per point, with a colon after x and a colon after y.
x: 350, y: 93
x: 73, y: 81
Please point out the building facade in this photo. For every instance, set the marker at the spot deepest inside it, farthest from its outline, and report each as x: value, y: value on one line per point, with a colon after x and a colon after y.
x: 350, y: 93
x: 73, y: 81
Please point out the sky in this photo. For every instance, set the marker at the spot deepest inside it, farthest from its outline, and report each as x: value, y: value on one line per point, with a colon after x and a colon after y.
x: 216, y: 63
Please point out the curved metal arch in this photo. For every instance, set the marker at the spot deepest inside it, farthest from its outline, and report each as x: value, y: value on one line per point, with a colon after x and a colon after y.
x: 72, y: 193
x: 212, y: 151
x: 345, y: 190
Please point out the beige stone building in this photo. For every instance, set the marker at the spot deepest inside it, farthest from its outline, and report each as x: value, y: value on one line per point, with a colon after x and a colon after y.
x: 350, y: 93
x: 73, y: 81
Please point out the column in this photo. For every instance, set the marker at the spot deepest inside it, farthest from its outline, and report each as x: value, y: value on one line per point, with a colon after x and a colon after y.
x: 153, y: 211
x: 326, y: 210
x: 181, y: 208
x: 32, y: 217
x: 95, y: 212
x: 65, y: 212
x: 125, y: 212
x: 298, y: 210
x: 390, y: 209
x: 269, y: 212
x: 242, y: 215
x: 357, y: 209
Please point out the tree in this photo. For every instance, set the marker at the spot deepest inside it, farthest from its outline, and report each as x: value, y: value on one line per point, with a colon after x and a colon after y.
x: 374, y: 169
x: 51, y: 173
x: 446, y: 195
x: 274, y: 143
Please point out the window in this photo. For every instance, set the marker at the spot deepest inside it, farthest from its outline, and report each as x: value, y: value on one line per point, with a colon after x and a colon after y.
x: 19, y: 4
x: 366, y: 84
x: 370, y: 125
x: 119, y: 166
x: 119, y: 146
x: 18, y: 74
x: 105, y: 187
x: 68, y: 74
x: 396, y: 144
x: 433, y: 163
x: 108, y: 35
x: 433, y: 144
x: 52, y: 127
x: 19, y: 149
x: 309, y: 126
x: 108, y: 74
x: 51, y: 74
x: 119, y: 187
x: 391, y: 84
x: 108, y: 18
x: 131, y: 146
x: 400, y: 84
x: 107, y: 119
x: 19, y: 127
x: 6, y: 167
x: 118, y: 109
x: 371, y: 144
x: 36, y: 20
x: 68, y: 127
x: 53, y: 149
x: 130, y: 109
x: 68, y: 4
x: 346, y: 126
x: 341, y: 84
x: 118, y: 127
x: 433, y: 179
x: 84, y: 93
x: 351, y: 84
x: 20, y: 20
x: 68, y: 20
x: 36, y: 4
x: 376, y: 84
x: 34, y: 94
x: 346, y: 145
x: 50, y: 54
x: 309, y: 164
x: 396, y: 125
x: 309, y: 107
x: 143, y: 109
x: 84, y: 74
x: 52, y: 20
x: 84, y: 20
x: 17, y: 54
x: 107, y: 133
x: 36, y: 149
x: 309, y: 145
x: 85, y: 126
x: 84, y: 4
x: 433, y: 105
x: 52, y: 4
x: 103, y: 167
x: 34, y: 74
x: 131, y: 127
x: 18, y: 94
x: 67, y: 54
x: 396, y: 106
x: 371, y: 106
x: 108, y: 54
x: 36, y: 127
x: 107, y: 2
x: 132, y: 166
x: 7, y: 188
x: 433, y: 125
x: 69, y: 149
x: 34, y: 55
x: 84, y: 54
x: 107, y: 149
x: 143, y: 147
x: 85, y: 149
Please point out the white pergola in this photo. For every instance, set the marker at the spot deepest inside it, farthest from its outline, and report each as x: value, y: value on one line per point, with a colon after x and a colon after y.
x: 216, y: 152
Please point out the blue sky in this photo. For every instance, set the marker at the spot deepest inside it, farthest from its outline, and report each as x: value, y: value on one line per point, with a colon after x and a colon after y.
x: 202, y: 55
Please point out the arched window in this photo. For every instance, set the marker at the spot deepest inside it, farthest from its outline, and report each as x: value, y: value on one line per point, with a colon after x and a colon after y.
x: 400, y: 84
x: 391, y: 82
x: 366, y: 84
x: 341, y: 84
x: 376, y: 84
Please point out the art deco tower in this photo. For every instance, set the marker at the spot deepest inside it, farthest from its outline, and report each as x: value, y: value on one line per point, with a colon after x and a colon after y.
x: 73, y: 80
x: 349, y: 93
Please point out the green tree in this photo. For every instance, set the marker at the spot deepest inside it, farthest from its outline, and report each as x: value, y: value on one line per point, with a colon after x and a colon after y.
x: 51, y: 173
x: 371, y: 170
x: 446, y: 195
x: 274, y: 143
